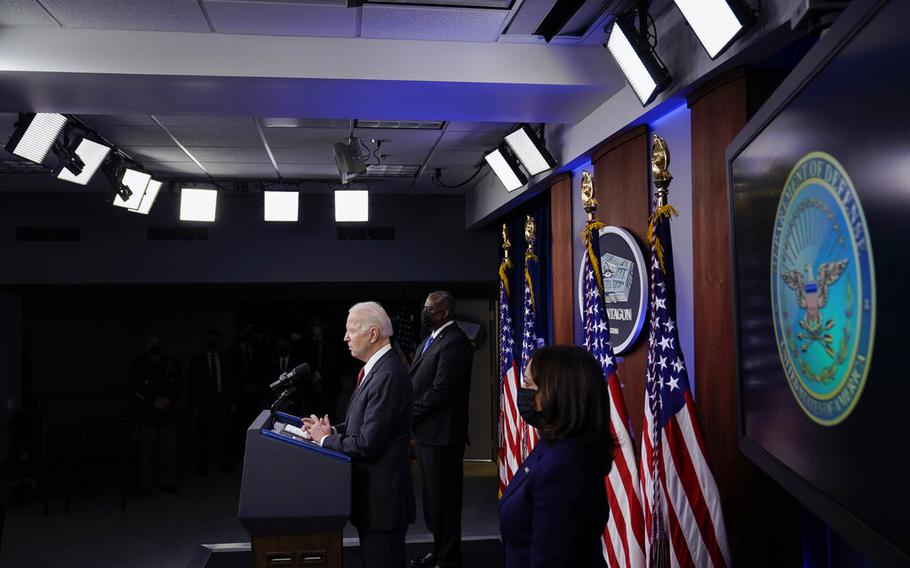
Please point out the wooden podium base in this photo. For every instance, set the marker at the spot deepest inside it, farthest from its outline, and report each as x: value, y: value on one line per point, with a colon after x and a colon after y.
x: 297, y: 551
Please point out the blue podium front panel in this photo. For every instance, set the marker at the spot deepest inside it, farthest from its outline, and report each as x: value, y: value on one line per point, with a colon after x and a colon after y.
x: 291, y: 485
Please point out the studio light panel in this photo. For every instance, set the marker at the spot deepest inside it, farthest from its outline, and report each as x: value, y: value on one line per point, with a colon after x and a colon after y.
x: 33, y: 140
x: 506, y: 169
x: 631, y: 63
x: 137, y: 181
x: 281, y: 206
x: 148, y: 198
x: 92, y: 155
x: 198, y: 204
x: 352, y: 205
x: 715, y: 22
x: 531, y: 152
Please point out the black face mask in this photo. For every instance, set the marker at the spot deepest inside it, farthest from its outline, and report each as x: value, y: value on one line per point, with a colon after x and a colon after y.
x: 529, y: 414
x: 426, y: 318
x: 211, y: 345
x: 155, y: 350
x: 283, y: 351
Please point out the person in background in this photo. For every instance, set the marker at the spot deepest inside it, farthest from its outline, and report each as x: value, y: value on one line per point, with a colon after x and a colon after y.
x: 156, y: 384
x: 252, y: 383
x: 554, y: 511
x: 375, y: 434
x: 213, y: 395
x: 322, y: 356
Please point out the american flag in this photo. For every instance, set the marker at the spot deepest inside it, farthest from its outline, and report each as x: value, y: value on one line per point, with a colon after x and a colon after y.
x: 529, y: 342
x: 510, y: 423
x: 683, y: 517
x: 624, y: 535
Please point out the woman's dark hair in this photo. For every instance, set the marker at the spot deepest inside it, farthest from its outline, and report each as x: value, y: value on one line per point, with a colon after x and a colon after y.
x: 574, y: 399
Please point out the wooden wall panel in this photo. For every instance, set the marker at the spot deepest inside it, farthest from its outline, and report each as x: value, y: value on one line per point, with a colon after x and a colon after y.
x: 719, y: 110
x: 561, y: 239
x: 621, y: 178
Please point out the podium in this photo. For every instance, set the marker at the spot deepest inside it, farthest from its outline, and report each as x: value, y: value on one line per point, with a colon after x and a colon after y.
x: 295, y: 496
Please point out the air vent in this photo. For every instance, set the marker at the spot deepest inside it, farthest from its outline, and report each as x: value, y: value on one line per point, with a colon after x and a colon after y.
x: 46, y: 234
x: 401, y: 124
x: 178, y: 234
x: 390, y: 170
x: 366, y: 233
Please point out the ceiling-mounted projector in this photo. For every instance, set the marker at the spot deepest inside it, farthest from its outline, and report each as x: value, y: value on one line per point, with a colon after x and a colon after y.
x: 348, y: 159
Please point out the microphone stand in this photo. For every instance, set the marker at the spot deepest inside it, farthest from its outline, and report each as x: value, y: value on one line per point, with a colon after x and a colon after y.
x: 282, y: 397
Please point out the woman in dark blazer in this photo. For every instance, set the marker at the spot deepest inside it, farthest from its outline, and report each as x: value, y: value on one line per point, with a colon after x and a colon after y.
x: 554, y: 510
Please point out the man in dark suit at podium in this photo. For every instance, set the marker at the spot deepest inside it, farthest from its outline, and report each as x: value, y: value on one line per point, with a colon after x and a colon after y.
x: 375, y: 434
x: 441, y: 378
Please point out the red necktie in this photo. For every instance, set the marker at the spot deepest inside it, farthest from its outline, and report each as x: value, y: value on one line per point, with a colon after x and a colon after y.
x: 360, y: 378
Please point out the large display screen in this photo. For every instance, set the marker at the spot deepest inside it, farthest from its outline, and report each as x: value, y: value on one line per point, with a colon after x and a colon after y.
x: 820, y: 209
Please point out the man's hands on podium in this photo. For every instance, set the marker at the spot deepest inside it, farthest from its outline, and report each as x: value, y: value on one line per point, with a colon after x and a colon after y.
x: 317, y: 428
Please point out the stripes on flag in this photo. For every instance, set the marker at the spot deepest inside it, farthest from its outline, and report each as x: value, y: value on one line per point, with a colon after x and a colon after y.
x: 510, y: 423
x: 529, y: 342
x: 624, y: 535
x: 682, y: 504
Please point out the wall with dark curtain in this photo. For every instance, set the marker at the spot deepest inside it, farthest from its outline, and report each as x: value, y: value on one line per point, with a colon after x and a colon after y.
x: 541, y: 273
x: 430, y: 242
x: 10, y: 363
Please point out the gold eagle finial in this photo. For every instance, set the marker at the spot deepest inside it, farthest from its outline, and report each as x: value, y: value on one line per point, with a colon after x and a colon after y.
x: 588, y: 201
x: 530, y: 233
x: 660, y: 169
x: 506, y: 245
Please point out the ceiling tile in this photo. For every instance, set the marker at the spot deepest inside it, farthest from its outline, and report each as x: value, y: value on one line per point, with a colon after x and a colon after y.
x: 160, y: 15
x: 208, y: 155
x: 98, y: 121
x: 465, y: 140
x: 156, y: 153
x: 308, y: 170
x: 412, y: 22
x: 136, y: 136
x: 169, y: 169
x: 241, y: 169
x: 451, y: 158
x: 313, y: 153
x: 296, y: 137
x: 28, y: 13
x: 207, y: 121
x: 217, y: 136
x: 273, y: 18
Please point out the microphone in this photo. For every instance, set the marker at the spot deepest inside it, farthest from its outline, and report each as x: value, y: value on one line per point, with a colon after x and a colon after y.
x: 300, y: 370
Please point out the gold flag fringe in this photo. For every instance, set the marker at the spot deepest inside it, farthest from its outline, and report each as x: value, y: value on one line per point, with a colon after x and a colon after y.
x: 503, y: 277
x: 588, y: 235
x: 661, y: 213
x: 529, y: 257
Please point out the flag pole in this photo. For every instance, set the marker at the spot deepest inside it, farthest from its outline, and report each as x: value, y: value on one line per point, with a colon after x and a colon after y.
x: 659, y: 554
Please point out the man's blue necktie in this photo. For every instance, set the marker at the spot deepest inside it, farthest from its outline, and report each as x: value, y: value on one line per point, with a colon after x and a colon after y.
x: 427, y: 344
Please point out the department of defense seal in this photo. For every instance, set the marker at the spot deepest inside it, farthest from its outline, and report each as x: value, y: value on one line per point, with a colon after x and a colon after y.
x: 822, y: 288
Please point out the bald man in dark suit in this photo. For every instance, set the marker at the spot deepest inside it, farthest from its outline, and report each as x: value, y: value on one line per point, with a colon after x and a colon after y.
x: 441, y: 379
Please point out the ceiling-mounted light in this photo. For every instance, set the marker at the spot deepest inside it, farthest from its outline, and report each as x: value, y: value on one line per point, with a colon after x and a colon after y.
x: 198, y: 204
x: 352, y: 205
x: 90, y: 153
x: 637, y: 59
x: 148, y: 198
x: 506, y: 168
x: 530, y: 150
x: 35, y: 134
x: 281, y: 205
x: 716, y: 23
x: 129, y: 183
